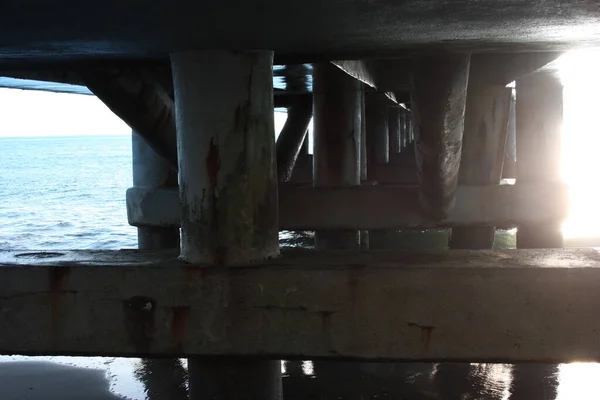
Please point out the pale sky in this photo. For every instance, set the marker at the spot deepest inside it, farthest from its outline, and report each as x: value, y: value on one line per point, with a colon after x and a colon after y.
x: 35, y: 113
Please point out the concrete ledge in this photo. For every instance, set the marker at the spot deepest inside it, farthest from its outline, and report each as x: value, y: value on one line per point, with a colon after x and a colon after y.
x: 378, y: 207
x: 511, y: 306
x: 153, y: 207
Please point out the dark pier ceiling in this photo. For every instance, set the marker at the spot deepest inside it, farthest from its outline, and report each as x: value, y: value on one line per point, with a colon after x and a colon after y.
x: 71, y: 29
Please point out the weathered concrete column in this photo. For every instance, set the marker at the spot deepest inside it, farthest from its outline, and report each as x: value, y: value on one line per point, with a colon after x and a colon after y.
x: 363, y: 139
x: 337, y: 133
x: 364, y: 234
x: 410, y: 127
x: 378, y: 141
x: 152, y: 171
x: 394, y: 131
x: 161, y: 377
x: 403, y: 128
x: 228, y: 189
x: 509, y: 169
x: 438, y: 101
x: 483, y: 150
x: 539, y: 114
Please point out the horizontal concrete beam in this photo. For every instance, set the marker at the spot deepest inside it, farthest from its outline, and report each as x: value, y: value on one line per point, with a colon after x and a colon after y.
x: 362, y: 70
x: 475, y: 306
x: 138, y: 98
x: 377, y: 207
x: 383, y: 75
x: 502, y: 69
x: 487, y: 69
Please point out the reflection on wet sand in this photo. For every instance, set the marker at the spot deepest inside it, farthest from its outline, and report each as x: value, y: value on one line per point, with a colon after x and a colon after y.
x: 421, y: 381
x: 164, y: 379
x: 37, y: 378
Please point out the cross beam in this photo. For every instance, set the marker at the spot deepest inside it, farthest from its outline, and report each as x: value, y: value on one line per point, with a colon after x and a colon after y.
x: 488, y: 306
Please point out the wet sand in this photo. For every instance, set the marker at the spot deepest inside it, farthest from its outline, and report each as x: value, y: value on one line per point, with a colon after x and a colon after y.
x: 33, y: 380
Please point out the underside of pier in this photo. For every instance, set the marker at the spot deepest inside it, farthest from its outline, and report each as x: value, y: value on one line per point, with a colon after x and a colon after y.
x: 414, y: 129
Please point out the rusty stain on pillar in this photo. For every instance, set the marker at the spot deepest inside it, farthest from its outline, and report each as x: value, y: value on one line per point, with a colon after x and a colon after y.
x: 484, y: 146
x: 337, y: 133
x: 228, y: 189
x: 378, y: 144
x: 292, y: 137
x: 438, y: 100
x: 539, y: 117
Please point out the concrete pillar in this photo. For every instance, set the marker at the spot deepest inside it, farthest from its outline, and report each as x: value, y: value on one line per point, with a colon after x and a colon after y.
x: 364, y: 234
x: 292, y: 136
x: 363, y: 139
x: 509, y: 169
x: 337, y: 132
x: 483, y: 149
x: 161, y: 377
x: 438, y: 102
x: 394, y: 130
x: 228, y: 190
x: 410, y: 127
x: 378, y: 142
x: 539, y: 115
x: 152, y: 171
x: 403, y: 128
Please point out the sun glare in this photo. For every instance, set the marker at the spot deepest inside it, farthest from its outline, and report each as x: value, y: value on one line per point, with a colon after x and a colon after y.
x: 581, y: 141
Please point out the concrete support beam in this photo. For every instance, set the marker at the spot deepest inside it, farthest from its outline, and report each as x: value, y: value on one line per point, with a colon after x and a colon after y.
x: 438, y: 103
x: 398, y: 173
x: 483, y: 151
x: 137, y: 97
x: 383, y: 207
x: 398, y: 207
x: 530, y: 305
x: 539, y: 113
x: 503, y: 68
x: 292, y: 137
x: 361, y: 70
x: 228, y: 191
x: 337, y: 135
x: 376, y: 111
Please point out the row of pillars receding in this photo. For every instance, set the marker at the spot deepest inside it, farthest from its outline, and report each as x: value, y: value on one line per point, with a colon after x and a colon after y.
x: 228, y: 175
